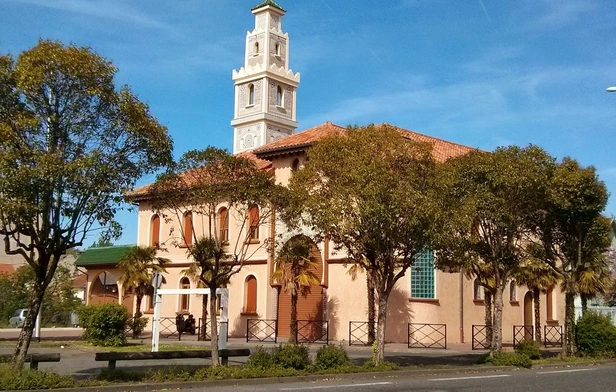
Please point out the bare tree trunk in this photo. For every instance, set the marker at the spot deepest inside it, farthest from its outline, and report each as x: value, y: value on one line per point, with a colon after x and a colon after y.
x: 371, y: 308
x: 381, y: 327
x: 497, y: 327
x: 569, y: 343
x: 203, y: 330
x: 293, y: 325
x: 137, y: 316
x: 25, y: 336
x: 537, y: 305
x: 584, y: 299
x: 214, y: 327
x: 488, y: 317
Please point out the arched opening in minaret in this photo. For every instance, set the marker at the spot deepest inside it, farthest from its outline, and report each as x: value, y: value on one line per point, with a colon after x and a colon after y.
x: 256, y: 49
x: 251, y: 94
x: 279, y: 96
x: 277, y: 49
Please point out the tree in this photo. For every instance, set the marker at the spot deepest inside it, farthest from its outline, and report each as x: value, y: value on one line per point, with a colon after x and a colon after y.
x: 370, y: 191
x: 211, y: 186
x: 572, y: 233
x: 488, y: 200
x: 70, y: 146
x: 293, y: 270
x: 138, y: 268
x: 539, y: 277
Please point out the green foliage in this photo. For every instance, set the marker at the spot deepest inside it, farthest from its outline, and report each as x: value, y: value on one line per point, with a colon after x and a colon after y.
x: 371, y: 190
x: 32, y: 379
x: 71, y: 145
x: 332, y: 357
x: 488, y: 203
x: 239, y: 372
x: 504, y: 358
x: 530, y: 348
x: 595, y: 335
x: 17, y: 291
x: 137, y: 325
x: 215, y: 176
x: 260, y: 358
x: 292, y: 356
x: 104, y: 324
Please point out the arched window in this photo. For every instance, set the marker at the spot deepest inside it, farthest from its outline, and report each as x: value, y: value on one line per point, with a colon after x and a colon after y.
x: 295, y: 165
x: 279, y: 96
x: 155, y: 231
x: 256, y: 49
x: 513, y: 297
x: 250, y: 290
x: 251, y: 94
x: 187, y: 229
x: 223, y: 217
x: 253, y: 222
x: 184, y: 298
x: 277, y: 49
x: 478, y: 294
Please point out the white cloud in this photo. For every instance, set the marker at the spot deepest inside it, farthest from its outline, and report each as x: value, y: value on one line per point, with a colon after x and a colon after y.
x: 118, y: 11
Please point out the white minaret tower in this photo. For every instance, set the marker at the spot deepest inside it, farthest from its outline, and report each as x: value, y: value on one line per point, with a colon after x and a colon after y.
x: 265, y: 87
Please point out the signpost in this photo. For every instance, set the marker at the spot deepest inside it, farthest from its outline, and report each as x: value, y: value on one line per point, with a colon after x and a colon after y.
x: 157, y: 281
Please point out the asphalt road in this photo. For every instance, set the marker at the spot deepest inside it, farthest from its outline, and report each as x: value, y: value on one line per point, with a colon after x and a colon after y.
x: 598, y: 378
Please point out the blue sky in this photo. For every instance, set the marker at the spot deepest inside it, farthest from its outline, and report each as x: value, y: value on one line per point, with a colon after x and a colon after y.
x: 484, y: 73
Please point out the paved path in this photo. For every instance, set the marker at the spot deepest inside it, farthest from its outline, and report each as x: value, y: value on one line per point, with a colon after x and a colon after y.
x: 79, y: 361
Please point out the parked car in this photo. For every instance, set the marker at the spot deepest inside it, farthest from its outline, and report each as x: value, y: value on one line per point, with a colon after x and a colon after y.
x: 17, y: 321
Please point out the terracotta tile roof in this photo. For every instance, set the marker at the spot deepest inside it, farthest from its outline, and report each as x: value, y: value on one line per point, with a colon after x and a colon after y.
x: 299, y: 141
x: 7, y: 269
x: 442, y: 149
x: 80, y: 281
x: 143, y: 192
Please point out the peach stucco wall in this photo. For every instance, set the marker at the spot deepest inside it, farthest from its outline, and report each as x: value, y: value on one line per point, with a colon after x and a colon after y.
x: 346, y: 298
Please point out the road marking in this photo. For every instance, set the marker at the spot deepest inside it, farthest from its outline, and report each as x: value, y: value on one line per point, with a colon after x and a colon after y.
x: 565, y: 371
x: 336, y: 386
x: 468, y: 378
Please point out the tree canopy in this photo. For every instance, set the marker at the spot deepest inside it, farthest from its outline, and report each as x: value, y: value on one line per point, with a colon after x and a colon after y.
x: 574, y: 236
x: 371, y: 192
x: 488, y: 201
x: 71, y: 145
x: 215, y: 188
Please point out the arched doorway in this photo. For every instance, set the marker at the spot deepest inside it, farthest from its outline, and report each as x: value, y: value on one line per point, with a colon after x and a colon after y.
x: 104, y: 288
x: 528, y: 315
x: 310, y: 306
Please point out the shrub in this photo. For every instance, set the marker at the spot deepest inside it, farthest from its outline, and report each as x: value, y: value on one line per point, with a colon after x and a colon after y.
x: 595, y: 335
x: 104, y: 324
x: 32, y: 379
x: 531, y: 348
x: 260, y: 359
x: 137, y: 325
x: 504, y: 358
x: 292, y: 356
x: 332, y: 357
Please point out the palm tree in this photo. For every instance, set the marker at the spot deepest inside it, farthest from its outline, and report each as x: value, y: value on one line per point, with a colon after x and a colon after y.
x: 594, y: 278
x: 539, y: 277
x: 293, y: 271
x: 138, y: 268
x: 193, y: 272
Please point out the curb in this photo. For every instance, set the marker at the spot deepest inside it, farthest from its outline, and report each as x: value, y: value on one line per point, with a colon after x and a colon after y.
x: 408, y: 372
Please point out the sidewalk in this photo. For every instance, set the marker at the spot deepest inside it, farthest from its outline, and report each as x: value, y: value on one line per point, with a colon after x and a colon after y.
x: 79, y: 361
